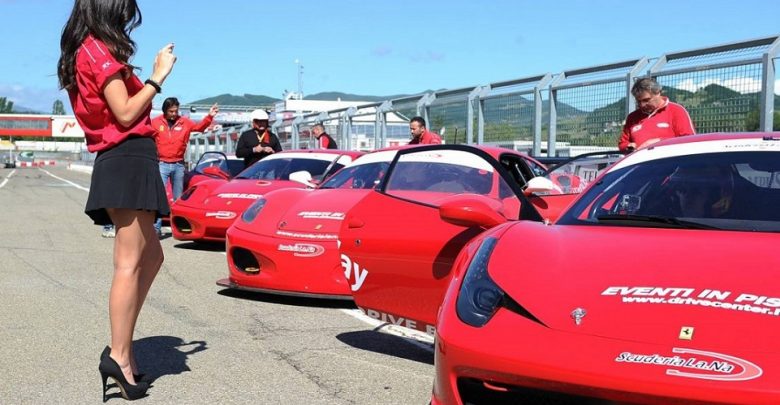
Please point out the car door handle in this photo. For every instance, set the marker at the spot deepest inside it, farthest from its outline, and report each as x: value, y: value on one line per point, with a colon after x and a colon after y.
x: 355, y: 223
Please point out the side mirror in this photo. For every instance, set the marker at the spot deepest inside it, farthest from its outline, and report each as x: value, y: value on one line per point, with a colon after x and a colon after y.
x: 541, y: 185
x: 303, y: 177
x: 215, y: 171
x: 471, y: 210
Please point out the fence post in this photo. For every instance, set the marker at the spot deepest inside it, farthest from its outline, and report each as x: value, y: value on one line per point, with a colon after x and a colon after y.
x: 630, y: 76
x: 478, y: 94
x: 553, y: 114
x: 294, y: 137
x: 768, y: 87
x: 544, y: 82
x: 423, y: 106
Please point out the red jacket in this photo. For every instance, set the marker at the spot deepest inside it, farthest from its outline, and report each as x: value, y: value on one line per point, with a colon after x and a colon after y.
x: 668, y: 121
x: 172, y: 141
x: 427, y: 137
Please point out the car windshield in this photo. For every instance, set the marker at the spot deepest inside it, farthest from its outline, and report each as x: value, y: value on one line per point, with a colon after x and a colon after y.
x: 280, y: 168
x: 231, y: 166
x: 725, y: 190
x: 362, y: 176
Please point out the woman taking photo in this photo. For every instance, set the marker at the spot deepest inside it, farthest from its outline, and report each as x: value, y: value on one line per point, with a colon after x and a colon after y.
x: 112, y: 105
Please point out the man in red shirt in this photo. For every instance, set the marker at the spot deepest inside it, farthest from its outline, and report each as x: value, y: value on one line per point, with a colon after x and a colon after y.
x: 172, y: 134
x: 420, y: 135
x: 655, y: 118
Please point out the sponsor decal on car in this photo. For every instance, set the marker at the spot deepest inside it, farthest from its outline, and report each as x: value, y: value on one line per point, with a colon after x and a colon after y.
x: 745, y: 302
x: 321, y: 215
x: 691, y: 363
x: 353, y: 268
x: 221, y: 215
x: 242, y: 196
x: 302, y: 249
x: 400, y: 321
x: 300, y: 235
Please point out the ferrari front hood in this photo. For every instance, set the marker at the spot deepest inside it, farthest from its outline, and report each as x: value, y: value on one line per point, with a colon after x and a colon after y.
x: 320, y: 211
x: 238, y: 194
x: 645, y: 284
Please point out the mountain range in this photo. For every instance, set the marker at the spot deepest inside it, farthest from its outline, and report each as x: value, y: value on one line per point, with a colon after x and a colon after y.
x: 258, y: 100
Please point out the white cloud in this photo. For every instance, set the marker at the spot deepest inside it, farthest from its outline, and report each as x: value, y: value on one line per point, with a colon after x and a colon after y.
x: 34, y: 98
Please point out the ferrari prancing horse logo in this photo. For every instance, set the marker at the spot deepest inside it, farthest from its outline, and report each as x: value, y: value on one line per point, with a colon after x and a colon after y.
x: 686, y: 333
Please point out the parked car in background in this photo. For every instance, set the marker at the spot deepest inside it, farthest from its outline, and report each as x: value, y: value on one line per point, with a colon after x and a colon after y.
x: 286, y: 242
x: 206, y: 210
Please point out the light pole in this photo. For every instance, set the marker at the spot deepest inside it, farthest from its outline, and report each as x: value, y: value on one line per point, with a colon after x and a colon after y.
x: 300, y: 78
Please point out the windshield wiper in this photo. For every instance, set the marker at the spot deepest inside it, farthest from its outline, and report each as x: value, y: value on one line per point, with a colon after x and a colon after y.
x: 671, y: 222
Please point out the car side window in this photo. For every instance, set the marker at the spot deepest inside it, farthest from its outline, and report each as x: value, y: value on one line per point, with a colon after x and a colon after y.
x: 429, y: 177
x: 536, y: 170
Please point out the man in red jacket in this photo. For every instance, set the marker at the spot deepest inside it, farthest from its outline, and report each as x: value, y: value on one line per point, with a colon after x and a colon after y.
x: 420, y: 134
x: 172, y: 134
x: 655, y: 118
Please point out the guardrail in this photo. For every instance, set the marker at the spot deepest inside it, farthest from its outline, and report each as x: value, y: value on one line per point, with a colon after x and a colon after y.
x: 726, y: 88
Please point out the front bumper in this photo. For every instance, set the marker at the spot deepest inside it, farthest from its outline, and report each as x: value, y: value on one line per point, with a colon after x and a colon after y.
x: 310, y: 268
x: 512, y: 357
x: 188, y: 223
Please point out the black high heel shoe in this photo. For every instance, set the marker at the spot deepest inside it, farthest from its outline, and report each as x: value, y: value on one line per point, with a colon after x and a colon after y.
x: 107, y: 353
x: 109, y: 368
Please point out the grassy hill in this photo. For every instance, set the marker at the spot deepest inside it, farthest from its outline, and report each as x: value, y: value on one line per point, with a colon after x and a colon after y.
x: 248, y: 100
x: 335, y: 95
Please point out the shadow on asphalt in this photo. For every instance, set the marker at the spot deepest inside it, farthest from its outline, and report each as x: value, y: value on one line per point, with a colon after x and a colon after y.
x: 159, y: 356
x: 286, y: 299
x: 207, y: 246
x: 386, y: 344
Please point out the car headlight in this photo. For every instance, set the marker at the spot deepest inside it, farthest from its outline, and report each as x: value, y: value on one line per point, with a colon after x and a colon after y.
x: 188, y: 193
x: 251, y: 213
x: 479, y: 296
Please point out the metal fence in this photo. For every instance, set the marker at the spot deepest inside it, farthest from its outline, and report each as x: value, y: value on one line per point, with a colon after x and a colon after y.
x: 725, y: 88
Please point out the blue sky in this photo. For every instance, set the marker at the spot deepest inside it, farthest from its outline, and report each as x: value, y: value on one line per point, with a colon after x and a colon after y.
x: 375, y: 47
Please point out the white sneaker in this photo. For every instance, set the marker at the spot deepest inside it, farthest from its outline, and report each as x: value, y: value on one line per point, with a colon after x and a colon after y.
x: 109, y: 232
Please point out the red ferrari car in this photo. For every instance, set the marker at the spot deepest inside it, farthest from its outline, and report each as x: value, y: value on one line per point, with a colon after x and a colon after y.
x: 656, y: 285
x: 207, y: 209
x: 211, y: 165
x: 290, y: 247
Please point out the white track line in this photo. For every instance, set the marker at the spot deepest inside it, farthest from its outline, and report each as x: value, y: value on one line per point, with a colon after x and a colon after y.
x: 419, y: 339
x: 7, y: 178
x: 66, y: 181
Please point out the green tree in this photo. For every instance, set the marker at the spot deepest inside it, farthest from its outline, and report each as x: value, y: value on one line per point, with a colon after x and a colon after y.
x: 752, y: 122
x: 58, y: 108
x: 6, y: 106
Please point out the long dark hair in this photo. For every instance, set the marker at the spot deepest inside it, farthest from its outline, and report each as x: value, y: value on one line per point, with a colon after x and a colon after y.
x: 110, y: 21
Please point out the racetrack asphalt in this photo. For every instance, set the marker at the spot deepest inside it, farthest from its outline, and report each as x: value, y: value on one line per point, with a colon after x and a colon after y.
x: 199, y: 342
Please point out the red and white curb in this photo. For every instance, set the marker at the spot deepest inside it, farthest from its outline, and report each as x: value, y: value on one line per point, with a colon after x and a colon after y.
x: 39, y: 163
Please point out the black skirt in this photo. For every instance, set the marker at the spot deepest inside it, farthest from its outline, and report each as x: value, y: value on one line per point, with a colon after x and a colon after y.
x: 127, y: 176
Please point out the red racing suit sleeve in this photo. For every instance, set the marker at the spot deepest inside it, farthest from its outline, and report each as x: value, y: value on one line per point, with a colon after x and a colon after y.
x: 203, y: 124
x: 625, y: 138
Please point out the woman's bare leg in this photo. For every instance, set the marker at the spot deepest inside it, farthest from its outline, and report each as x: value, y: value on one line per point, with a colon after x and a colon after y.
x: 134, y: 272
x: 151, y: 263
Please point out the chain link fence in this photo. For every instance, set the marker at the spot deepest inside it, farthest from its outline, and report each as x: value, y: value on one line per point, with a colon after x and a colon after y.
x: 725, y: 88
